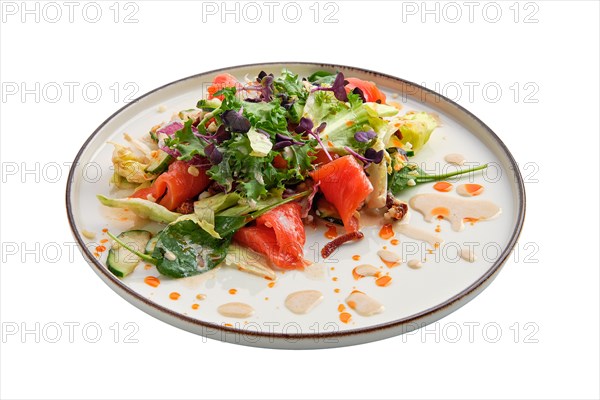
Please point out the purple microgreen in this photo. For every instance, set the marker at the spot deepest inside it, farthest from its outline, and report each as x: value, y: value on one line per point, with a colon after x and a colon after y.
x: 282, y: 145
x: 374, y: 155
x: 213, y: 154
x: 371, y: 156
x: 235, y: 121
x: 267, y: 84
x: 222, y: 134
x: 364, y: 137
x: 321, y: 127
x: 281, y: 138
x: 338, y: 88
x: 283, y: 141
x: 265, y: 87
x: 305, y: 126
x: 261, y: 75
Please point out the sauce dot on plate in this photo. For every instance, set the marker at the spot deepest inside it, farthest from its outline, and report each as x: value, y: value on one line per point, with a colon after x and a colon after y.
x: 345, y: 317
x: 331, y: 232
x: 443, y: 186
x: 174, y: 296
x: 152, y: 281
x: 469, y: 189
x: 386, y: 232
x: 232, y: 291
x: 383, y: 280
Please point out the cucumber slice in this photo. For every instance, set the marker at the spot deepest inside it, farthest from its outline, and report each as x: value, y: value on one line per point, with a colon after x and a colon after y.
x: 160, y: 163
x: 151, y: 244
x: 121, y: 261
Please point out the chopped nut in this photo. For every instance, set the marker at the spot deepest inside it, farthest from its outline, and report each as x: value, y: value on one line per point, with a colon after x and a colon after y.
x: 187, y: 207
x: 193, y: 171
x: 396, y: 208
x: 411, y: 182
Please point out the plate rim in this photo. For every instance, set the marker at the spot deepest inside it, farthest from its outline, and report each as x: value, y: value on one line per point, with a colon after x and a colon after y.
x: 464, y: 294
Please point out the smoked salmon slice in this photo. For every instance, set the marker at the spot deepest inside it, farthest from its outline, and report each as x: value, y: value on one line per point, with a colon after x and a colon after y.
x: 220, y: 82
x: 345, y: 185
x: 175, y: 186
x: 279, y: 235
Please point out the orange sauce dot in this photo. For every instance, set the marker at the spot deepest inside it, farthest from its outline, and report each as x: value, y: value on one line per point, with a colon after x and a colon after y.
x: 336, y: 290
x: 331, y: 232
x: 438, y: 228
x: 473, y: 189
x: 341, y: 308
x: 394, y: 242
x: 334, y: 279
x: 356, y: 257
x: 383, y: 281
x: 356, y: 275
x: 332, y: 268
x: 152, y: 281
x: 266, y: 299
x: 440, y: 212
x: 232, y: 291
x: 227, y: 325
x: 349, y: 123
x: 103, y: 241
x: 96, y: 255
x: 352, y: 304
x: 100, y: 249
x: 271, y: 284
x: 174, y: 296
x: 147, y: 266
x: 104, y: 230
x: 329, y: 143
x: 201, y: 296
x: 195, y: 306
x: 386, y: 232
x: 443, y: 186
x: 345, y: 317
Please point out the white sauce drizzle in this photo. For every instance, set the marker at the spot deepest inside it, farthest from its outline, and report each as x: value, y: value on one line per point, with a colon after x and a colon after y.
x: 457, y: 209
x: 418, y: 234
x: 455, y: 158
x: 468, y: 254
x: 414, y: 264
x: 363, y: 304
x: 303, y: 301
x: 367, y: 270
x: 235, y: 310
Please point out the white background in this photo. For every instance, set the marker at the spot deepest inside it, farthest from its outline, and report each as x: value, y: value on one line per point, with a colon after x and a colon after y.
x: 546, y: 304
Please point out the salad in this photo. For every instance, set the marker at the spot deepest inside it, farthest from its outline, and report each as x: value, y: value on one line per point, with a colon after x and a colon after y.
x: 236, y: 179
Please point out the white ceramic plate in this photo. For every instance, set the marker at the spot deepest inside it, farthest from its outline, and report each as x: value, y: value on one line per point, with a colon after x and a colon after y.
x: 415, y: 297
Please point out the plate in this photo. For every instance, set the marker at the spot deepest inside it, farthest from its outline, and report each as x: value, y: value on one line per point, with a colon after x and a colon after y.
x: 414, y: 298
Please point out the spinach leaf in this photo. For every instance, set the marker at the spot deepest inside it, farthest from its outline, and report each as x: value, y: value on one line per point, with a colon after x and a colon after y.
x: 185, y: 249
